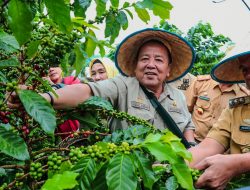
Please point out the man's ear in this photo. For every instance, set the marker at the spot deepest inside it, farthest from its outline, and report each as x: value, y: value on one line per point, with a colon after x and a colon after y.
x: 168, y: 70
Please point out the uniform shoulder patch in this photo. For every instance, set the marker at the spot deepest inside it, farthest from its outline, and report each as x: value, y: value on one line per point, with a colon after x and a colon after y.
x: 239, y: 101
x: 203, y: 77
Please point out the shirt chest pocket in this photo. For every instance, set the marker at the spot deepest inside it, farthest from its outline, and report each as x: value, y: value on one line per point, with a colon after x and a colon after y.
x: 241, y: 137
x: 177, y: 115
x: 203, y: 102
x: 141, y: 113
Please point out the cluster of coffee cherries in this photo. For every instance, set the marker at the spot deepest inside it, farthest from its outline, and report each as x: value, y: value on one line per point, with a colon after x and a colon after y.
x: 25, y: 129
x: 195, y: 174
x: 36, y: 170
x: 5, y: 116
x: 3, y: 186
x: 75, y: 154
x: 125, y: 116
x: 54, y: 161
x: 19, y: 182
x: 99, y: 153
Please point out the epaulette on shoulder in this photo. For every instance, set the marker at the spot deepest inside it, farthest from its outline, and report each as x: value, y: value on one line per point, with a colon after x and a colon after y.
x: 203, y: 77
x: 239, y: 101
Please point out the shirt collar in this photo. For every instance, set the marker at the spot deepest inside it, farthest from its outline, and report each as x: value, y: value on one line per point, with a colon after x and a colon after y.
x: 234, y: 88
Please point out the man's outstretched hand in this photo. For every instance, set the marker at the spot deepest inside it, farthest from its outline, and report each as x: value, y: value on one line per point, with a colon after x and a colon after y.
x: 218, y: 171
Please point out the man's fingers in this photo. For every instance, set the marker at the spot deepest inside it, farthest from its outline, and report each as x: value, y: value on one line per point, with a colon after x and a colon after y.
x: 202, y: 165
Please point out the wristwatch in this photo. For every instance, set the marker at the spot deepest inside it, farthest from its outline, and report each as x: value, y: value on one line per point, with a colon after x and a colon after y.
x: 193, y: 143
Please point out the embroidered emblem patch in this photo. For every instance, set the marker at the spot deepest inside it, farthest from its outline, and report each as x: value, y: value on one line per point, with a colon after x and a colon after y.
x: 247, y: 121
x: 140, y: 105
x: 185, y: 84
x: 174, y: 109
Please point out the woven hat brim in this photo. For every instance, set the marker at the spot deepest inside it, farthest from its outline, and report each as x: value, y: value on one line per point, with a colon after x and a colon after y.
x: 228, y: 70
x: 181, y: 51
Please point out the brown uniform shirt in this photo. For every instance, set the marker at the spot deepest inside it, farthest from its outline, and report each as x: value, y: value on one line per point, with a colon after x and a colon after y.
x: 206, y: 100
x: 232, y: 129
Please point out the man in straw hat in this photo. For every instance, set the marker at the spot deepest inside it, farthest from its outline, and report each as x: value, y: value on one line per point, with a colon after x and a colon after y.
x: 151, y: 58
x: 231, y: 131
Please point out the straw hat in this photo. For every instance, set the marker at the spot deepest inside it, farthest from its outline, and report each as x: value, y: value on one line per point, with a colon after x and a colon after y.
x: 228, y: 70
x: 181, y: 51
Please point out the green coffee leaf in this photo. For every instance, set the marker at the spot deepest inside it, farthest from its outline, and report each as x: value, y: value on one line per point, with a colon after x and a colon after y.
x: 80, y: 7
x: 142, y: 14
x: 59, y: 12
x: 145, y: 169
x: 67, y: 180
x: 86, y: 167
x: 11, y: 62
x: 20, y: 18
x: 40, y: 110
x: 13, y: 145
x: 8, y: 43
x: 100, y: 7
x: 120, y: 174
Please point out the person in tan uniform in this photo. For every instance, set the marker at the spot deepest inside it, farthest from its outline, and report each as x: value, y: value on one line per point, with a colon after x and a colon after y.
x: 206, y: 99
x: 151, y: 58
x: 231, y: 131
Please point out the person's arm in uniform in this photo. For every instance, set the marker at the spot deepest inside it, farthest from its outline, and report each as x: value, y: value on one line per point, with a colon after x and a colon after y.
x: 217, y: 140
x: 206, y: 148
x: 189, y: 135
x: 208, y: 155
x: 69, y: 96
x: 72, y: 95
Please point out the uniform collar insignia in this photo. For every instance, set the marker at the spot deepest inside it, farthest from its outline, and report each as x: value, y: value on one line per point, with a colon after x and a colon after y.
x: 239, y: 101
x: 247, y: 121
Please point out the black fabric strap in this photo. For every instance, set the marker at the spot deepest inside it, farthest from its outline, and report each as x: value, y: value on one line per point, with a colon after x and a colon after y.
x: 168, y: 120
x: 51, y: 98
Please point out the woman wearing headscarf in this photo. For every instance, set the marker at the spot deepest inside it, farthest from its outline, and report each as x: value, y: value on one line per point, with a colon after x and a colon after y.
x: 102, y: 68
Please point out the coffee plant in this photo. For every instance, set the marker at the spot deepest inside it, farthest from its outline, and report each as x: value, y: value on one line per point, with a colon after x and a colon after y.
x: 38, y: 34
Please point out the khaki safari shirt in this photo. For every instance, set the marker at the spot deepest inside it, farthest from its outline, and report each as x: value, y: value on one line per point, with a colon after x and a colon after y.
x: 126, y: 95
x: 232, y: 129
x: 205, y: 100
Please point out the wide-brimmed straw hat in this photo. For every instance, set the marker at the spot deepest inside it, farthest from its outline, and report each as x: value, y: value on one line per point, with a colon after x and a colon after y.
x: 228, y: 70
x: 182, y: 53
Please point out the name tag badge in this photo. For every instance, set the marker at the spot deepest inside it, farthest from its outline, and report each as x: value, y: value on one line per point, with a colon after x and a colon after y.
x: 174, y: 109
x: 140, y: 105
x: 204, y: 98
x: 245, y: 128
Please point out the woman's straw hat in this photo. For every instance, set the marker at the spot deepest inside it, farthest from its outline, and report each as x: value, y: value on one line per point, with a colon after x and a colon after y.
x: 228, y: 70
x: 181, y: 51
